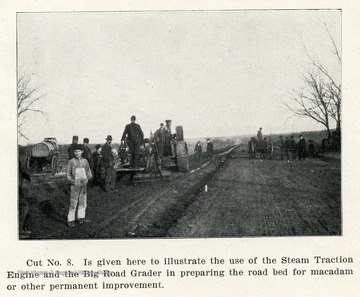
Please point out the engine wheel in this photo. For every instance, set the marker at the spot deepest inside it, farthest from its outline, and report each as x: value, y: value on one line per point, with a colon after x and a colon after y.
x: 179, y: 133
x: 182, y: 157
x: 54, y: 164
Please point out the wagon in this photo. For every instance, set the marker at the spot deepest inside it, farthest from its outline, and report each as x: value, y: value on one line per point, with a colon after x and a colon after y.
x: 264, y: 148
x: 45, y: 156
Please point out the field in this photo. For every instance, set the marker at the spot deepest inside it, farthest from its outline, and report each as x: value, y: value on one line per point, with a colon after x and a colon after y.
x: 244, y: 198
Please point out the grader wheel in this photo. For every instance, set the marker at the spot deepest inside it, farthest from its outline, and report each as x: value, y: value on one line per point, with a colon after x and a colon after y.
x: 56, y: 165
x: 28, y: 167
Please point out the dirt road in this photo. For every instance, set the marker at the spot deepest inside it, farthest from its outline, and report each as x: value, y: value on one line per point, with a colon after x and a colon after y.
x: 245, y: 198
x: 267, y: 198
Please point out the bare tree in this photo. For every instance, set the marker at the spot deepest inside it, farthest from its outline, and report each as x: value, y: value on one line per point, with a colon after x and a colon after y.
x: 27, y: 102
x: 312, y: 100
x: 333, y: 87
x: 320, y: 96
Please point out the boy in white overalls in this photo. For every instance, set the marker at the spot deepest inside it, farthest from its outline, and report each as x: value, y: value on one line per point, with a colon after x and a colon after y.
x: 78, y: 174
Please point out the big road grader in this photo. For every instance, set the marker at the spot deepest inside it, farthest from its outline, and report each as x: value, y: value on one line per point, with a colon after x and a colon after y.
x: 175, y: 153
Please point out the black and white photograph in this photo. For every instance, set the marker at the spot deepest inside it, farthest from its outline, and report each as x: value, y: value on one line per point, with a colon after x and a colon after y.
x: 179, y: 124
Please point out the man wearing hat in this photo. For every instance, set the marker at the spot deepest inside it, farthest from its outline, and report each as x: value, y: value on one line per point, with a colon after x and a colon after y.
x: 293, y: 147
x: 71, y: 148
x: 135, y: 137
x: 107, y: 166
x: 302, y: 148
x: 259, y: 135
x: 78, y: 173
x: 87, y: 154
x: 209, y: 147
x: 160, y: 139
x: 96, y: 157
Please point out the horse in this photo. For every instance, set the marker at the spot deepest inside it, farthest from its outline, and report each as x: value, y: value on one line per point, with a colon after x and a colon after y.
x: 263, y: 147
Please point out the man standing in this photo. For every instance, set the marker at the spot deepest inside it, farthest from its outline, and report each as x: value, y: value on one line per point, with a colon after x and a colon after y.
x: 281, y: 144
x: 265, y: 149
x: 286, y: 148
x: 160, y: 140
x: 259, y: 135
x: 209, y: 147
x: 198, y: 152
x: 311, y: 149
x: 293, y: 147
x: 78, y: 174
x: 87, y: 154
x: 96, y: 156
x: 302, y: 148
x: 135, y: 137
x: 107, y: 166
x: 72, y: 146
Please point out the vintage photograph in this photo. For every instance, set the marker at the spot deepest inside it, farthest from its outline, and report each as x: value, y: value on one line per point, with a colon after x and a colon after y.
x: 179, y: 124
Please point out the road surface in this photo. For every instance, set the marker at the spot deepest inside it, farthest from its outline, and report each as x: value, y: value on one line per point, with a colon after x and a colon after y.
x: 245, y: 198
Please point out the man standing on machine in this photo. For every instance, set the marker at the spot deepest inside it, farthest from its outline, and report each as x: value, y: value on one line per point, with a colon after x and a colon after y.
x: 160, y: 140
x: 135, y: 137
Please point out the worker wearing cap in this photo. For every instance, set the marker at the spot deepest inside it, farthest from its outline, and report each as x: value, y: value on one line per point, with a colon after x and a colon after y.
x: 107, y: 166
x: 71, y: 148
x: 96, y: 157
x: 135, y: 137
x: 209, y: 147
x: 87, y: 154
x: 160, y: 140
x: 78, y: 174
x: 198, y: 152
x: 259, y: 135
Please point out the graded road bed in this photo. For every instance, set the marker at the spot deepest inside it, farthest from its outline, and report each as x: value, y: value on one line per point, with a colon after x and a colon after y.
x: 267, y: 198
x: 245, y: 198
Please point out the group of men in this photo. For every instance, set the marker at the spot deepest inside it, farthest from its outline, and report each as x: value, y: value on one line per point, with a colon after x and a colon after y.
x: 198, y: 149
x: 289, y: 148
x: 97, y: 166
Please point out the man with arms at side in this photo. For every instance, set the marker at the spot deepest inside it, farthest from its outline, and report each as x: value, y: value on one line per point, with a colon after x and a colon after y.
x: 87, y: 154
x: 107, y: 166
x: 78, y: 174
x: 160, y: 140
x: 259, y: 135
x: 135, y: 137
x: 72, y: 146
x: 209, y: 147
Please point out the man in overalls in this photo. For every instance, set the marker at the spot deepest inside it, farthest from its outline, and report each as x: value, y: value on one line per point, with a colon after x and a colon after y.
x: 78, y: 174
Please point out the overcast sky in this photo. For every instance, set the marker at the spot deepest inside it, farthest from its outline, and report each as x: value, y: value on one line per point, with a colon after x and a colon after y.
x: 219, y: 73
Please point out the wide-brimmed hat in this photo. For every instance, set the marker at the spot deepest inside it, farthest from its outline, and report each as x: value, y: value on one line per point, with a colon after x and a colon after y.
x: 109, y: 137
